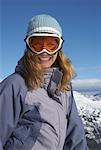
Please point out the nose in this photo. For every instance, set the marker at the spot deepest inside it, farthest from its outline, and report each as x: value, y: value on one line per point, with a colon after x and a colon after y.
x: 44, y: 45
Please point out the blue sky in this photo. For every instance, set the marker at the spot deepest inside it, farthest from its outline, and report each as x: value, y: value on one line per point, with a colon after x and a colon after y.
x: 81, y: 24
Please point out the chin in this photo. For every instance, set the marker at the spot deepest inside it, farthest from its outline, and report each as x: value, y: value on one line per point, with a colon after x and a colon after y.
x: 45, y: 66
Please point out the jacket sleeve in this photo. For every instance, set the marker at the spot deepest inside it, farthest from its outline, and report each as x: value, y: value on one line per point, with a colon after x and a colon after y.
x: 75, y: 136
x: 11, y: 96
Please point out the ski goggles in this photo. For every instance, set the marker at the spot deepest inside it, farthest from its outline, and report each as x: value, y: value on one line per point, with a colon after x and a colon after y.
x: 44, y: 42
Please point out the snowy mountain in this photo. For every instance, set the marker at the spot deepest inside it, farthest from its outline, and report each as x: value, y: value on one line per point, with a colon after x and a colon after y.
x: 94, y: 97
x: 98, y: 94
x: 89, y: 108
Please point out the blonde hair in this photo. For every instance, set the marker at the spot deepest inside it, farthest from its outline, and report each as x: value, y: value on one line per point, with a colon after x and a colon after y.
x: 33, y: 73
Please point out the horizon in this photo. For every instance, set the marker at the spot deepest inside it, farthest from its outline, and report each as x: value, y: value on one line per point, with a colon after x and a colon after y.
x: 85, y: 85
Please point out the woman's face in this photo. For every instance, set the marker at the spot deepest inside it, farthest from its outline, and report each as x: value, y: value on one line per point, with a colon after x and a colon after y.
x: 46, y: 60
x: 48, y: 43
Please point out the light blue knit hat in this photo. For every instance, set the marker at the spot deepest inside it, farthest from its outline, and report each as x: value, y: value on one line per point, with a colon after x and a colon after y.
x: 44, y: 24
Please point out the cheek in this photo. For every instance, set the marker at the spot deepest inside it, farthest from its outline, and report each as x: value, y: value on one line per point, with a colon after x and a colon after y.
x: 54, y: 57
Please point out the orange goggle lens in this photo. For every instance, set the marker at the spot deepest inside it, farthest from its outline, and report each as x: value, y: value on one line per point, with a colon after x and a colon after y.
x: 38, y: 43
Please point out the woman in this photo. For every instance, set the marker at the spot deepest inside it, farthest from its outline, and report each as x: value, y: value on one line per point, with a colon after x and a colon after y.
x: 37, y: 108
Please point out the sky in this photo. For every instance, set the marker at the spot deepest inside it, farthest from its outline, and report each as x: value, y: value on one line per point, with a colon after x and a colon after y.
x: 81, y: 24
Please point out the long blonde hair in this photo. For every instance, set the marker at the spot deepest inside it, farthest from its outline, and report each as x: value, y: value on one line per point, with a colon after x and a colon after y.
x: 33, y: 73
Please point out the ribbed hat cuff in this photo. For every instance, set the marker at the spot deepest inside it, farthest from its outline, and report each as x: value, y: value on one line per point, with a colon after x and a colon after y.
x: 45, y: 29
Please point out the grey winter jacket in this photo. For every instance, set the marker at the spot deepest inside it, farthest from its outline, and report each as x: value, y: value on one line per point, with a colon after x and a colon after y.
x: 38, y: 119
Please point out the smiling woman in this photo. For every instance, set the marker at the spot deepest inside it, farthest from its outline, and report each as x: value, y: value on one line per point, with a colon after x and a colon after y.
x: 38, y: 96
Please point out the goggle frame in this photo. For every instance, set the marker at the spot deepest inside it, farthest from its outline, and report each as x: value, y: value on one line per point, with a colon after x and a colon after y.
x: 44, y: 50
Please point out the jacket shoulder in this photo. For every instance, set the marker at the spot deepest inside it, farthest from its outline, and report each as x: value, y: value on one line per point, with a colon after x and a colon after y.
x: 14, y: 80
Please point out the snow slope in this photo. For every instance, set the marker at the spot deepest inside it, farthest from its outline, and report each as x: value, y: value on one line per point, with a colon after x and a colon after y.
x: 90, y: 111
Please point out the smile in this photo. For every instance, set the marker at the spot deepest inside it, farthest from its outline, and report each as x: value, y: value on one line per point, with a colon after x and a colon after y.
x: 45, y: 58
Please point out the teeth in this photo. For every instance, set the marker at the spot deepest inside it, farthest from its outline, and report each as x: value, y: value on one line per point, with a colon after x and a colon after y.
x: 44, y: 59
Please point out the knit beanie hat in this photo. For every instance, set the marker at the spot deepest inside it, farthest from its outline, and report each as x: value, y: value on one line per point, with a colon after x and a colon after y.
x: 44, y: 24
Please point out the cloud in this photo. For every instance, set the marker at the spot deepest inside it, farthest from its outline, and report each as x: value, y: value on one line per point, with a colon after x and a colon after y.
x: 87, y: 83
